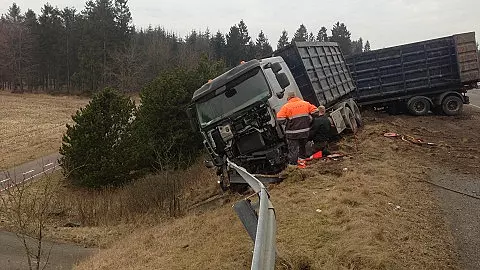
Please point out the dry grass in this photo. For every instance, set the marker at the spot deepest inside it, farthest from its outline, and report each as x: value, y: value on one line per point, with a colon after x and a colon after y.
x: 104, y: 216
x: 32, y: 125
x: 334, y: 215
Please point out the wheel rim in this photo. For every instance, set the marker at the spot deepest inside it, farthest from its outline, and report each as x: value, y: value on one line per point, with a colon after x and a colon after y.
x: 452, y: 105
x: 419, y: 106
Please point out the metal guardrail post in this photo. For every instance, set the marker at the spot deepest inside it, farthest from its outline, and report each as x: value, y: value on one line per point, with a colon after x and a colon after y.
x: 264, y: 251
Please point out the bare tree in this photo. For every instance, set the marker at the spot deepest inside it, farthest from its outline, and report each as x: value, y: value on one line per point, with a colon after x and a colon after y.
x: 28, y: 208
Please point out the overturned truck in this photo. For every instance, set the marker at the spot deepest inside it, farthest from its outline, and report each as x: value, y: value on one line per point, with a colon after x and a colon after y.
x: 432, y: 75
x: 236, y: 112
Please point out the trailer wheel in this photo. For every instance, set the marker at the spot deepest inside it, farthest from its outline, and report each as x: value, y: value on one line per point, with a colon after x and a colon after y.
x: 452, y: 105
x: 352, y: 121
x: 358, y: 115
x: 419, y: 106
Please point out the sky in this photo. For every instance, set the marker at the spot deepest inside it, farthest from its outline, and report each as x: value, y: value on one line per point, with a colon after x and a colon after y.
x: 384, y: 23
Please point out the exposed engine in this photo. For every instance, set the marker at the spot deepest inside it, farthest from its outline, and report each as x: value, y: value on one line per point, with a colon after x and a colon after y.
x: 251, y: 139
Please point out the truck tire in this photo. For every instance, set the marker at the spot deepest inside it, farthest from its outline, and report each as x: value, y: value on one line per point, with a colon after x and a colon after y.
x: 358, y: 115
x: 351, y: 120
x: 419, y: 106
x: 452, y: 105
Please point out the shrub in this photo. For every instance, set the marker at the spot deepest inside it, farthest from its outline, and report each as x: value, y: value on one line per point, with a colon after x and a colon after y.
x: 98, y: 149
x: 162, y: 124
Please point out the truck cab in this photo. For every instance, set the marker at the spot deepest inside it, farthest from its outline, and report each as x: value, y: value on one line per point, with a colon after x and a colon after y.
x: 236, y: 115
x: 236, y: 112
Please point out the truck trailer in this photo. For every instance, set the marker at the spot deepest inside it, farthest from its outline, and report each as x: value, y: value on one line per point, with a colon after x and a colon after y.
x: 432, y: 75
x: 236, y: 112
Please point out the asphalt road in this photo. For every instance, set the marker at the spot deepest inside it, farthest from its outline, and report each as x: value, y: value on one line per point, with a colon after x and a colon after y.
x: 62, y: 256
x: 12, y: 252
x: 29, y: 171
x: 474, y: 98
x: 462, y: 212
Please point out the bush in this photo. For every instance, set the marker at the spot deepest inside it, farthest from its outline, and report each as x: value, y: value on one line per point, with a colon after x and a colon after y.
x: 162, y: 125
x: 98, y: 149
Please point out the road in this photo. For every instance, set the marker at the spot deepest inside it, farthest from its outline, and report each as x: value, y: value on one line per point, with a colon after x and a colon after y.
x: 12, y: 252
x: 462, y: 212
x: 62, y: 256
x: 29, y: 171
x: 474, y: 98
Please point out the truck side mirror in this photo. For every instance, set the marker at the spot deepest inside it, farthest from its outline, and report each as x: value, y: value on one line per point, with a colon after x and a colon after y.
x: 283, y: 80
x: 192, y: 119
x: 276, y: 67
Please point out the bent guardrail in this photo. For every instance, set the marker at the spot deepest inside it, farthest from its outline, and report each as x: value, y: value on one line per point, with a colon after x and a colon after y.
x: 262, y: 226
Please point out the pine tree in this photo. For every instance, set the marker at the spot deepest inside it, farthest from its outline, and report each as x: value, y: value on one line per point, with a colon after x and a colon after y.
x: 322, y: 34
x: 367, y: 47
x: 98, y: 149
x: 123, y: 21
x: 243, y: 30
x: 341, y: 35
x: 217, y: 43
x: 262, y: 47
x: 283, y: 41
x: 162, y: 126
x: 235, y: 48
x: 50, y: 25
x: 301, y: 34
x: 357, y: 46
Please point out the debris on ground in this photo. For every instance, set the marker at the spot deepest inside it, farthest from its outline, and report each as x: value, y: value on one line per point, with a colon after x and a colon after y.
x: 408, y: 138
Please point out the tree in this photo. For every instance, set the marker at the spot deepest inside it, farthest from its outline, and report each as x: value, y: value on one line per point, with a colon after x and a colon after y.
x: 218, y: 45
x: 262, y: 47
x: 322, y: 34
x: 243, y: 30
x: 162, y: 125
x: 50, y: 44
x: 341, y: 35
x: 98, y: 149
x: 16, y: 48
x: 235, y: 48
x: 367, y: 47
x: 357, y: 46
x: 301, y: 34
x: 123, y: 21
x: 283, y: 41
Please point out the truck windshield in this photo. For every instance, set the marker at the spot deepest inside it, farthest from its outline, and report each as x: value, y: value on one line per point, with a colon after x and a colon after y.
x: 235, y: 95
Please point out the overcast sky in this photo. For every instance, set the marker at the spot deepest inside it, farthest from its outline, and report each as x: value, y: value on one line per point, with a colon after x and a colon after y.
x: 384, y: 23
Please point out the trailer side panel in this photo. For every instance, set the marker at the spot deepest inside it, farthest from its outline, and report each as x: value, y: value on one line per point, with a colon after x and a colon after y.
x: 320, y: 71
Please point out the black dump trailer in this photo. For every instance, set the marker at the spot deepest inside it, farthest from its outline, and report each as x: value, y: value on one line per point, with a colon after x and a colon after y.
x: 320, y: 71
x: 418, y: 77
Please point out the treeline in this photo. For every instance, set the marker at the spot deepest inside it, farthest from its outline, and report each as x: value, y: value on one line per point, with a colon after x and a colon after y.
x: 65, y: 50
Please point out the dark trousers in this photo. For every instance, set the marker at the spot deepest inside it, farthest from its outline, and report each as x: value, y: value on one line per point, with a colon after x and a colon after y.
x: 296, y: 149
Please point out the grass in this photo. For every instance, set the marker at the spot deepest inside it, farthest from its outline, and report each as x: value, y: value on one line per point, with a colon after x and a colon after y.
x: 369, y: 211
x: 32, y: 125
x: 104, y: 216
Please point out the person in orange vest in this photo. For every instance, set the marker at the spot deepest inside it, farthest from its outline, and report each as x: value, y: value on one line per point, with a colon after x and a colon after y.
x: 297, y: 116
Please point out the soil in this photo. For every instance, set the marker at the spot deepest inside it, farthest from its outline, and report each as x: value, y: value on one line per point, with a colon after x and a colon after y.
x: 453, y: 171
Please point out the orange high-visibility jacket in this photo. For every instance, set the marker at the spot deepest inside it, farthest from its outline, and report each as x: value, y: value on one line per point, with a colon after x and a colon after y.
x: 297, y: 113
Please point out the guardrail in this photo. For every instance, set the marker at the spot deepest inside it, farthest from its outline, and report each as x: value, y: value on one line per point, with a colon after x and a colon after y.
x: 262, y: 226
